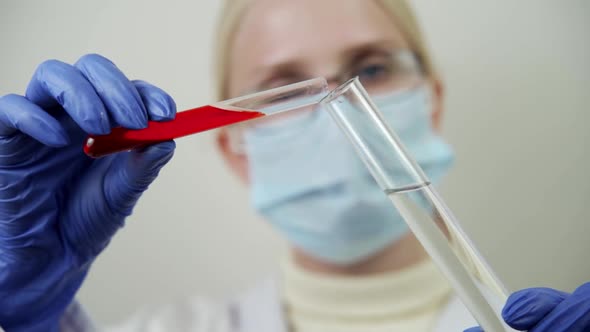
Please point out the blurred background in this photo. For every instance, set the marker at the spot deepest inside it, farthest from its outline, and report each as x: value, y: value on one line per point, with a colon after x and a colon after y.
x: 517, y: 77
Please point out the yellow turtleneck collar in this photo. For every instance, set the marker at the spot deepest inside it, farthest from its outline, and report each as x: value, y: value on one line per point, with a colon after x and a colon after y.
x: 408, y: 300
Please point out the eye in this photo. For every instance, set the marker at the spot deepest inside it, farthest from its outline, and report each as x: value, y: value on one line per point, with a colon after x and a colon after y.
x: 373, y: 73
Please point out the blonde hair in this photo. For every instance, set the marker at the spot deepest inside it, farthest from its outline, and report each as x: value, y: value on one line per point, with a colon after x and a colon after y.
x: 233, y: 10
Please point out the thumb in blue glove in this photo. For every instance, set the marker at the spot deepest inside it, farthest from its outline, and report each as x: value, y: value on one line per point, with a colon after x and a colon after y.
x: 547, y: 310
x: 124, y: 180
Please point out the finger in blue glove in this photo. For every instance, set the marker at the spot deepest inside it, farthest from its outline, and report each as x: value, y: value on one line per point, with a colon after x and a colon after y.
x: 525, y: 308
x: 570, y: 315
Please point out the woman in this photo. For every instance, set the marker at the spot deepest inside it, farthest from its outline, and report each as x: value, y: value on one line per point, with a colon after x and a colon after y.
x: 60, y: 209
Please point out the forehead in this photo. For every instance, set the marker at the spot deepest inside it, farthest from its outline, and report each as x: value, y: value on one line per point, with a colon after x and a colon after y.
x: 278, y: 31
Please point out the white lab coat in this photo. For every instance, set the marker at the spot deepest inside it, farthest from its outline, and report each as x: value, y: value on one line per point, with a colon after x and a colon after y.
x: 257, y: 310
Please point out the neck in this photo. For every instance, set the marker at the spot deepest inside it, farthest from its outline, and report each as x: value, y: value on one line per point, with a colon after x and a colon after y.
x: 403, y: 253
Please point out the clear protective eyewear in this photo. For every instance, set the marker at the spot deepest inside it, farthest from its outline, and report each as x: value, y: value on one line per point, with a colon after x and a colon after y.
x: 399, y: 70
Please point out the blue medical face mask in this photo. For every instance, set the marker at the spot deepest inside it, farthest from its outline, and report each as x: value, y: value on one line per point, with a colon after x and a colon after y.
x: 308, y: 182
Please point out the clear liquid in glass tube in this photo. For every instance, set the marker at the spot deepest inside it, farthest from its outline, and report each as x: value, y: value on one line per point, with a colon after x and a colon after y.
x: 431, y: 222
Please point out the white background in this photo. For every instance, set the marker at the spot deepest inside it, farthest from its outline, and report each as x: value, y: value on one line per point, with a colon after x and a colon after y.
x: 518, y: 87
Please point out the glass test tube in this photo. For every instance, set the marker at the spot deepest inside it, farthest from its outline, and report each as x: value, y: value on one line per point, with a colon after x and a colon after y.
x: 417, y: 201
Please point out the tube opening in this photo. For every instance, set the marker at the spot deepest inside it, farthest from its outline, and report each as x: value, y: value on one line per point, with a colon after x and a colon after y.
x: 339, y: 90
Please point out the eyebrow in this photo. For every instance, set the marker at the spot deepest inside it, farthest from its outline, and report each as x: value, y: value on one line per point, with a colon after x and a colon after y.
x: 371, y: 46
x: 290, y: 69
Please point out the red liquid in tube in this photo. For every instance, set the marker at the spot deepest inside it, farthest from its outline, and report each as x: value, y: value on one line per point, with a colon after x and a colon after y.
x: 188, y: 122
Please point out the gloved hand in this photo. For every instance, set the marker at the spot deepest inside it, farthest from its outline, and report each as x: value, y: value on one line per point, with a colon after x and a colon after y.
x: 59, y: 208
x: 547, y: 310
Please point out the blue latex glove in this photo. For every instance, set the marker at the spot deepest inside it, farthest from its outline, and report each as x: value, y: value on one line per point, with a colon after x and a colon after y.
x: 547, y: 310
x: 59, y: 208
